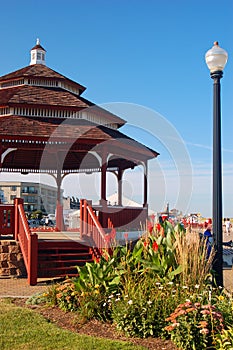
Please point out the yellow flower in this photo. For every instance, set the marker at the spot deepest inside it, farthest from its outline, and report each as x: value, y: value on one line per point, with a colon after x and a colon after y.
x: 221, y: 297
x: 97, y: 286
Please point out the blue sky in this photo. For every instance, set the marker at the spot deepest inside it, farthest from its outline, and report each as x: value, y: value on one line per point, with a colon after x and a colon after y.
x: 140, y: 53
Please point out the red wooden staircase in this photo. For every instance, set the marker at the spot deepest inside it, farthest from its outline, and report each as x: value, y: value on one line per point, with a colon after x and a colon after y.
x: 60, y: 258
x: 52, y: 256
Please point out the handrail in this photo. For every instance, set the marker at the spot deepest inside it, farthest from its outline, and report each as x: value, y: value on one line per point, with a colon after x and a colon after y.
x: 24, y: 221
x: 28, y: 242
x: 91, y: 227
x: 96, y: 221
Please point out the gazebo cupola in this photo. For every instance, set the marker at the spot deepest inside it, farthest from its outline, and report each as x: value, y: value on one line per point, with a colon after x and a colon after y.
x: 38, y: 54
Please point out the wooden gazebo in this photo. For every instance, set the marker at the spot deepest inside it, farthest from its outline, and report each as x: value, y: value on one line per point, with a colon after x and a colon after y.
x: 48, y: 127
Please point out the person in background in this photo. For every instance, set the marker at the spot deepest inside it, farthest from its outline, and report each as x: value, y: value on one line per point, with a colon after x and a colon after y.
x: 228, y: 226
x: 209, y: 240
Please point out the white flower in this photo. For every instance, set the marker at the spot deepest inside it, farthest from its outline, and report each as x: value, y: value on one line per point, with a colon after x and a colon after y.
x: 130, y: 302
x: 104, y: 304
x: 157, y: 283
x: 184, y: 287
x: 197, y: 286
x: 110, y: 296
x: 117, y: 299
x: 149, y: 302
x: 170, y: 283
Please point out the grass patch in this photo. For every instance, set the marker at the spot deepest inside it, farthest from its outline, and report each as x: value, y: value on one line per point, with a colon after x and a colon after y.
x: 21, y: 328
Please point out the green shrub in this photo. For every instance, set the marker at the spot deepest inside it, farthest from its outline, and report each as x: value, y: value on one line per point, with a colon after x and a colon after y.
x: 142, y: 308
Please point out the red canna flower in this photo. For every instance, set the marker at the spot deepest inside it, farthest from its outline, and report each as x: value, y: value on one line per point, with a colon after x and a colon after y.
x: 113, y: 234
x: 155, y: 246
x: 145, y: 243
x: 126, y: 236
x: 150, y: 227
x: 158, y: 227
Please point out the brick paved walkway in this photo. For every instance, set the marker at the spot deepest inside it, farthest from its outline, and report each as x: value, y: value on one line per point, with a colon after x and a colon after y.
x: 18, y: 287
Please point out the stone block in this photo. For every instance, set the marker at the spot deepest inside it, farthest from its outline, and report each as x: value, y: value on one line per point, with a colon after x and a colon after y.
x: 13, y: 271
x: 19, y: 256
x: 6, y: 243
x: 14, y: 249
x: 13, y: 256
x: 5, y: 272
x: 3, y: 264
x: 4, y: 249
x: 12, y: 264
x: 4, y: 256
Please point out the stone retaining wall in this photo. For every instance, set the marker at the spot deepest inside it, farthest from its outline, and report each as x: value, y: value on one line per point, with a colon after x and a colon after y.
x: 11, y: 259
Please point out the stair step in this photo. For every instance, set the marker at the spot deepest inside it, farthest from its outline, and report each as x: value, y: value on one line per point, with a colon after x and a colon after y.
x: 66, y: 255
x: 61, y: 262
x: 61, y: 244
x: 46, y: 257
x: 61, y: 258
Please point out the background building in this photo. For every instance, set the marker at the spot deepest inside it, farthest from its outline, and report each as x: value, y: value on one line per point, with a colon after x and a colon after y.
x: 36, y: 196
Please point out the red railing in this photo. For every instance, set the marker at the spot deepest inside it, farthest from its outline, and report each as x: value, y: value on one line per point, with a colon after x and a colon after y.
x: 124, y: 218
x: 7, y: 218
x: 28, y: 241
x: 90, y: 227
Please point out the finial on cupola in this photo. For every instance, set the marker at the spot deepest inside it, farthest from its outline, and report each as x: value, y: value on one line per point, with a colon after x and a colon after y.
x: 38, y: 54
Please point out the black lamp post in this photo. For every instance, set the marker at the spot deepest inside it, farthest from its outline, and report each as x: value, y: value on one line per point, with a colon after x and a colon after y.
x: 216, y: 58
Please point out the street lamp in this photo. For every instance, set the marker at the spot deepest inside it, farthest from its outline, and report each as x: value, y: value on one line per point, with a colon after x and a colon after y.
x: 216, y: 58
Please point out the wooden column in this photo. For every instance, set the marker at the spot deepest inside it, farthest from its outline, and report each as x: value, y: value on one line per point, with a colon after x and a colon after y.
x: 145, y: 172
x: 119, y: 181
x: 59, y: 206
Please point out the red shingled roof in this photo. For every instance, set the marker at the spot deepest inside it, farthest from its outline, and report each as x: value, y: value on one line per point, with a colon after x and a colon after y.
x: 38, y: 95
x: 38, y: 71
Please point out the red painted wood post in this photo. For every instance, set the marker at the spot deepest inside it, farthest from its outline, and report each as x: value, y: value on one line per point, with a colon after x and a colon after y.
x: 59, y: 216
x: 81, y: 218
x: 89, y: 219
x: 85, y: 217
x: 32, y: 259
x: 17, y: 201
x: 89, y: 224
